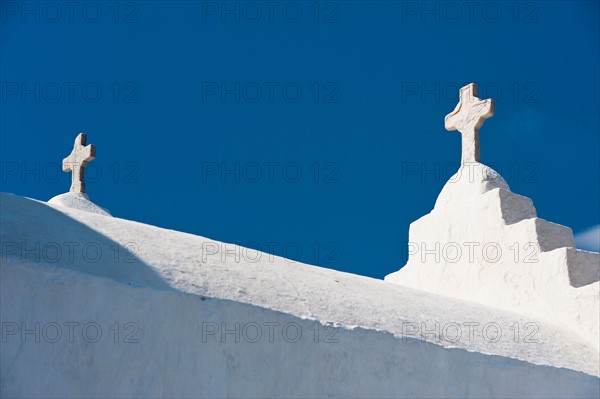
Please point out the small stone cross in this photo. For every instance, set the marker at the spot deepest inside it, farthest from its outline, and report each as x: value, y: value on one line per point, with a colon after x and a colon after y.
x: 467, y: 118
x: 77, y: 161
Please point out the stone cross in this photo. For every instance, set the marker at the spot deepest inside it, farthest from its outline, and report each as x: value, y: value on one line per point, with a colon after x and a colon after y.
x: 467, y: 118
x: 77, y: 161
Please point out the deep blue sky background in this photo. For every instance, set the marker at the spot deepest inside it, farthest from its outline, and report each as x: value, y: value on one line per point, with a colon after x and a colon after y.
x: 387, y: 75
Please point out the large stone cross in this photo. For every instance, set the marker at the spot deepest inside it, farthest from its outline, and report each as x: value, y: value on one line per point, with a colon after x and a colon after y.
x: 467, y: 118
x: 77, y: 161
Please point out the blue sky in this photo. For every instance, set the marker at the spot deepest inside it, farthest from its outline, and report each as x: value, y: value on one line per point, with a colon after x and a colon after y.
x: 313, y: 129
